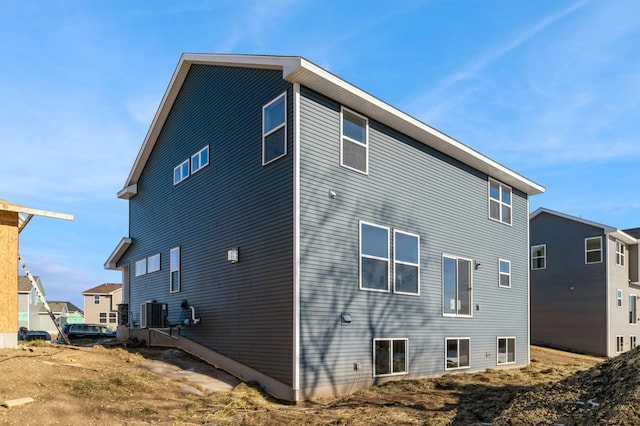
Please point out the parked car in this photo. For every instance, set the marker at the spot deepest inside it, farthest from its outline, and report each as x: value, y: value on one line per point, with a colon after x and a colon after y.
x: 88, y: 331
x: 27, y: 335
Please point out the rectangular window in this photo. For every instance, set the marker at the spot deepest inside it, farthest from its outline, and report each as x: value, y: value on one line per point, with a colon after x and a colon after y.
x: 96, y: 299
x: 457, y: 353
x: 354, y: 146
x: 619, y: 253
x: 619, y: 343
x: 539, y: 256
x: 619, y: 298
x: 499, y: 201
x: 103, y: 317
x: 141, y: 267
x: 406, y: 260
x: 200, y: 159
x: 633, y: 317
x: 374, y: 257
x: 633, y: 342
x: 506, y: 350
x: 390, y: 357
x: 593, y: 250
x: 504, y: 278
x: 153, y: 263
x: 274, y: 129
x: 174, y: 267
x: 181, y: 172
x: 113, y: 317
x: 456, y: 286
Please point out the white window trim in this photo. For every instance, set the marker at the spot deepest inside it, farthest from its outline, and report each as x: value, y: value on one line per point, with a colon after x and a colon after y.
x: 620, y: 253
x: 633, y: 341
x: 141, y: 267
x: 368, y: 256
x: 149, y: 261
x: 173, y: 269
x: 406, y: 356
x: 515, y: 358
x: 621, y: 338
x: 601, y: 250
x: 198, y: 155
x: 179, y: 167
x: 96, y: 299
x: 500, y: 273
x: 395, y: 261
x: 446, y: 339
x: 365, y: 145
x: 275, y: 129
x: 500, y: 202
x: 450, y: 256
x: 619, y: 296
x: 533, y: 248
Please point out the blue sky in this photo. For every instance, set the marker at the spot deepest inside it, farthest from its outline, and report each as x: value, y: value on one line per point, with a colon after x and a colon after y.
x: 550, y: 89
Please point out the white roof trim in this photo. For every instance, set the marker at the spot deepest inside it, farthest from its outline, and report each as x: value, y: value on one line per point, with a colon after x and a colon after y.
x: 118, y: 252
x: 609, y: 230
x: 298, y: 70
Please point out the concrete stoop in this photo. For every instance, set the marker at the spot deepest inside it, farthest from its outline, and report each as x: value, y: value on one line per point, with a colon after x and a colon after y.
x: 164, y: 338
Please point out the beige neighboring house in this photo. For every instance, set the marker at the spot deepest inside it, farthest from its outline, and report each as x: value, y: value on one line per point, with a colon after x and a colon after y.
x: 101, y: 304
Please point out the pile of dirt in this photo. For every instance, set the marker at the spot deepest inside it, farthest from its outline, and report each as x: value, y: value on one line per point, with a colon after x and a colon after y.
x: 608, y: 393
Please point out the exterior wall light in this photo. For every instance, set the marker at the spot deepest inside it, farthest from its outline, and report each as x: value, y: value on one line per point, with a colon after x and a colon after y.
x: 233, y: 255
x: 477, y: 265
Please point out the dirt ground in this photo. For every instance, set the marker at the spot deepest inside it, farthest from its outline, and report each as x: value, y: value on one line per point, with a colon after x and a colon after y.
x: 109, y: 386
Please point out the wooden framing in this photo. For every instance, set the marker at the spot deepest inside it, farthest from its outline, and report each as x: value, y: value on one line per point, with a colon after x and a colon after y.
x: 13, y: 218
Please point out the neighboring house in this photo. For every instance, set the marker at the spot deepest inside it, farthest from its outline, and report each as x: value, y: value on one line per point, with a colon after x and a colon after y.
x: 584, y: 284
x: 325, y: 240
x: 101, y: 304
x: 64, y: 312
x: 29, y: 303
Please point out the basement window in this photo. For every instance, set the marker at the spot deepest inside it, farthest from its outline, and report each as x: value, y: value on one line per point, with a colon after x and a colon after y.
x: 506, y: 350
x: 390, y: 357
x: 457, y: 353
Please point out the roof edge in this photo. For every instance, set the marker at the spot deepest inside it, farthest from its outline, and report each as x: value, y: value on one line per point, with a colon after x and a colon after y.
x: 118, y: 252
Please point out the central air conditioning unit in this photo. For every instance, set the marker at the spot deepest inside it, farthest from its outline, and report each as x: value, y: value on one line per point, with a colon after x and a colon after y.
x: 153, y: 314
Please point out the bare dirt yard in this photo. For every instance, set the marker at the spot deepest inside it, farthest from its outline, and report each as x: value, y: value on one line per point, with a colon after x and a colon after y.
x: 110, y: 386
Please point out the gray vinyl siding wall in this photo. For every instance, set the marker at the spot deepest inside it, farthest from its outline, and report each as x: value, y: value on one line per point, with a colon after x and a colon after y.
x: 246, y: 309
x: 410, y: 188
x: 561, y: 317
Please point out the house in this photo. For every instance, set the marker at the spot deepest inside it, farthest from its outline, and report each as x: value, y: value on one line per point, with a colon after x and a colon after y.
x: 101, y: 304
x: 316, y: 239
x: 29, y: 303
x: 64, y: 312
x: 13, y: 219
x: 584, y: 284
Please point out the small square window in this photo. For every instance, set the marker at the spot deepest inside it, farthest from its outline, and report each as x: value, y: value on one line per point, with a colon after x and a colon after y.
x: 593, y: 250
x: 390, y: 357
x: 539, y: 257
x: 153, y: 263
x: 103, y: 317
x: 457, y: 353
x: 200, y: 159
x: 181, y: 172
x: 141, y: 267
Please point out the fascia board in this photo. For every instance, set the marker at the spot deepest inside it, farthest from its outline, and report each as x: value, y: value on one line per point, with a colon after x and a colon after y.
x: 17, y: 208
x: 118, y: 252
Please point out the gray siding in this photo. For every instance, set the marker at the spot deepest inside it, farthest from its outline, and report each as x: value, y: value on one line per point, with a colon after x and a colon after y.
x: 568, y: 298
x: 246, y: 308
x: 415, y: 189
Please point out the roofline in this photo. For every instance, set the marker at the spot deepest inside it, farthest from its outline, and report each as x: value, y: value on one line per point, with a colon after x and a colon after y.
x: 296, y: 69
x: 609, y: 230
x: 118, y: 252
